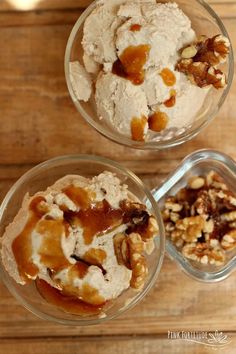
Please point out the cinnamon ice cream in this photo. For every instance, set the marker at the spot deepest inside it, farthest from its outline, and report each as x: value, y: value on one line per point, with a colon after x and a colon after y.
x: 146, y: 60
x: 82, y: 239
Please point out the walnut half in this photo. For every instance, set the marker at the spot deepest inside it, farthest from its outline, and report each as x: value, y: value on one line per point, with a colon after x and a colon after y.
x: 129, y: 252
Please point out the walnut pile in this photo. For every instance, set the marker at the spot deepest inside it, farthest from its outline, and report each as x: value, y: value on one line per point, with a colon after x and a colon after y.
x: 133, y: 246
x: 201, y: 219
x: 199, y: 61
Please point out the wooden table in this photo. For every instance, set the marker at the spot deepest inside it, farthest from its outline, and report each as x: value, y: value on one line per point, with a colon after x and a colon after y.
x: 39, y: 121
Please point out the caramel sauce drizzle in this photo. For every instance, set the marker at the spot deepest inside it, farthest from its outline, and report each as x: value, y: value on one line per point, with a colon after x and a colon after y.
x: 78, y: 195
x: 138, y: 128
x: 51, y: 253
x: 131, y: 62
x: 95, y: 256
x: 158, y: 121
x: 172, y: 100
x: 135, y: 27
x: 168, y: 77
x: 86, y: 292
x: 22, y: 245
x: 68, y: 303
x: 79, y: 269
x: 95, y: 220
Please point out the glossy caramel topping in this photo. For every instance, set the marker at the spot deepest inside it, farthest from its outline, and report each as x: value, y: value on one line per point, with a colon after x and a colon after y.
x: 138, y: 128
x: 78, y: 195
x: 91, y: 295
x: 131, y: 62
x: 70, y: 304
x: 95, y: 256
x: 168, y: 77
x: 172, y: 100
x: 135, y: 27
x: 85, y: 292
x: 158, y: 121
x: 78, y: 270
x: 95, y: 220
x: 51, y: 253
x: 22, y: 245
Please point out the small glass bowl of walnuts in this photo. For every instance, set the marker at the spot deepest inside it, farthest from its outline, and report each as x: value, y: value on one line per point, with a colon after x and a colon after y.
x: 198, y: 202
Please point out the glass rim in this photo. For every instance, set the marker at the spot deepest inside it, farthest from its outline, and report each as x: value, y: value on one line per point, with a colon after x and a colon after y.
x: 79, y: 321
x: 184, y: 137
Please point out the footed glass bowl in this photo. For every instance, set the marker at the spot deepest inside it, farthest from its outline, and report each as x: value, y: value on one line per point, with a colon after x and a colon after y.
x: 204, y: 21
x: 38, y: 179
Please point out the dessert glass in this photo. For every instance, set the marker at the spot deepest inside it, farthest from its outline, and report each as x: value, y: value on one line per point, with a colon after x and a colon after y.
x: 204, y: 21
x: 38, y: 179
x: 199, y: 163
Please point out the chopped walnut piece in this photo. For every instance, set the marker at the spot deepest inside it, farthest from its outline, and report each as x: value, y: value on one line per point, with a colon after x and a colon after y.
x: 202, y: 74
x: 231, y: 216
x: 151, y: 230
x: 204, y: 253
x: 199, y: 61
x: 175, y: 207
x: 196, y: 182
x: 203, y: 225
x: 149, y: 246
x: 191, y: 228
x: 203, y: 204
x: 139, y: 220
x: 165, y: 214
x: 137, y: 261
x: 189, y: 52
x: 213, y: 50
x: 216, y: 181
x: 174, y: 216
x: 121, y: 250
x: 129, y: 249
x: 228, y: 241
x: 208, y: 226
x: 210, y: 50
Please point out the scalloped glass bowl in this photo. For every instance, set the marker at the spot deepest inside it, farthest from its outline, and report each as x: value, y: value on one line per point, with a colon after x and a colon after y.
x: 199, y: 163
x: 44, y: 175
x: 204, y: 21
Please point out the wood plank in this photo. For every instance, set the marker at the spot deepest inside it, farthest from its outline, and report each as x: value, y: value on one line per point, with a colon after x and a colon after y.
x: 22, y: 5
x: 41, y: 121
x: 65, y: 4
x: 69, y: 15
x: 142, y: 345
x: 39, y: 18
x: 175, y: 303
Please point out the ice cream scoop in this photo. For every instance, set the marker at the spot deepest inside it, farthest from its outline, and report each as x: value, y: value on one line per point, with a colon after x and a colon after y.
x: 63, y: 238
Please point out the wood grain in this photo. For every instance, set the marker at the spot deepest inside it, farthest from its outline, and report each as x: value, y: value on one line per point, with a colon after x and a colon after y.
x: 39, y: 121
x: 13, y: 5
x: 116, y: 345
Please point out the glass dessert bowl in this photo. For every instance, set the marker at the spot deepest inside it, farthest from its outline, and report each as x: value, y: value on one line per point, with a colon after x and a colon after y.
x: 34, y: 273
x: 204, y: 21
x: 198, y: 203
